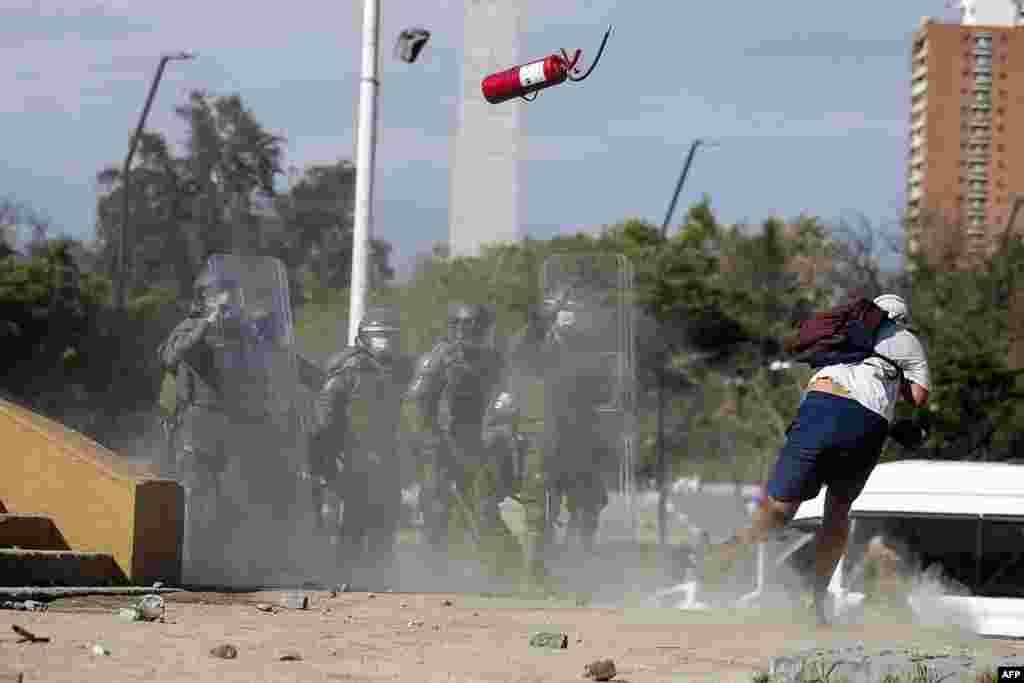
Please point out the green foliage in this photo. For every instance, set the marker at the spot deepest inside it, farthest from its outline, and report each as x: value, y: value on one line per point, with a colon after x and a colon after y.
x: 962, y: 314
x: 712, y: 302
x: 63, y: 346
x: 187, y: 204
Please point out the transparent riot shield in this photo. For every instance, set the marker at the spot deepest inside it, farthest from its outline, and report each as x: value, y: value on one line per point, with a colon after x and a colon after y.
x: 255, y: 339
x: 595, y: 292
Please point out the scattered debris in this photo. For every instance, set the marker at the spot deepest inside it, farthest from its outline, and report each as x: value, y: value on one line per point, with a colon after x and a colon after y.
x: 600, y: 670
x: 403, y: 604
x: 225, y: 651
x: 436, y: 627
x: 101, y: 650
x: 157, y: 585
x: 371, y: 596
x: 27, y: 636
x: 413, y: 623
x: 151, y: 607
x: 343, y: 588
x: 296, y: 601
x: 447, y: 603
x: 26, y: 606
x: 554, y: 641
x: 12, y: 678
x: 289, y: 656
x: 264, y: 607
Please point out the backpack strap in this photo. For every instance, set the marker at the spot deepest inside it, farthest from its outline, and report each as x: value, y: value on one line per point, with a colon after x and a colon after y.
x: 890, y: 361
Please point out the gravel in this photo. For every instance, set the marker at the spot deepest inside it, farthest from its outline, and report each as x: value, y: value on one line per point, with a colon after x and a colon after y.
x: 858, y: 664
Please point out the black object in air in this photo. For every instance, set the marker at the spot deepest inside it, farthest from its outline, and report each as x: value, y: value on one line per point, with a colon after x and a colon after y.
x: 410, y: 43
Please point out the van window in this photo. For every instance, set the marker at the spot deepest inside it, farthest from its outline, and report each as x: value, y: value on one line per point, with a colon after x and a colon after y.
x: 926, y: 542
x: 949, y: 543
x: 1002, y: 559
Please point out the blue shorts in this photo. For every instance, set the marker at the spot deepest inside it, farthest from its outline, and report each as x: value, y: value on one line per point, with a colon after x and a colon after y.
x: 834, y: 442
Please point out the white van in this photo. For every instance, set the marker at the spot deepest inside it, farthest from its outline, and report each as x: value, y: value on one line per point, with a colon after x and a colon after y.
x: 967, y: 517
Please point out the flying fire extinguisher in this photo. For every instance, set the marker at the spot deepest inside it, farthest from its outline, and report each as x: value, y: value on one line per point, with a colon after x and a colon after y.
x: 527, y: 79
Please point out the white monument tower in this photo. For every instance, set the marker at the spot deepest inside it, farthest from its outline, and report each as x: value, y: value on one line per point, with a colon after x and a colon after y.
x: 485, y: 169
x: 991, y: 12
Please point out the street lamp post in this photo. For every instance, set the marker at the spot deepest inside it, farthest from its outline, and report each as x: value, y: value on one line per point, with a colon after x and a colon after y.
x: 365, y: 161
x: 662, y: 459
x: 679, y: 186
x: 121, y: 279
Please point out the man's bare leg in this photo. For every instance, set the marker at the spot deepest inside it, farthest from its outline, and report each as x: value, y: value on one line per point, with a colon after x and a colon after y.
x: 771, y: 516
x: 830, y: 544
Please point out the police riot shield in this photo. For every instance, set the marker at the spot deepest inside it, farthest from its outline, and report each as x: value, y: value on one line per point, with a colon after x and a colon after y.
x: 253, y: 336
x: 592, y: 293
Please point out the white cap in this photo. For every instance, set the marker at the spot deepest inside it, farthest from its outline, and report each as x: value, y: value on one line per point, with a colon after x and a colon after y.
x: 895, y: 306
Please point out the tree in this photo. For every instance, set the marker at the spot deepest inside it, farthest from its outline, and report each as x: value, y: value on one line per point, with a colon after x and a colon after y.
x: 959, y: 303
x: 318, y: 211
x: 14, y: 214
x: 160, y: 207
x: 185, y: 206
x: 230, y: 158
x: 857, y: 250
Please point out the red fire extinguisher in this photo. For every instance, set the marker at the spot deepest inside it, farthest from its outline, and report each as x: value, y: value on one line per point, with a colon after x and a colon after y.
x: 527, y: 79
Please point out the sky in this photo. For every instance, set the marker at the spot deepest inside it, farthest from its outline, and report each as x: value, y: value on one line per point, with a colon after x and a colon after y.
x: 808, y: 101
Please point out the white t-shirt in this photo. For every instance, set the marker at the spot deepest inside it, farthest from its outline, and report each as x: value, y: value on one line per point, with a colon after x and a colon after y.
x: 873, y: 383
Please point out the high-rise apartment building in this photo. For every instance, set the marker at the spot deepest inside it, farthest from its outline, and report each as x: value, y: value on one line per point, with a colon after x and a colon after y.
x: 966, y: 158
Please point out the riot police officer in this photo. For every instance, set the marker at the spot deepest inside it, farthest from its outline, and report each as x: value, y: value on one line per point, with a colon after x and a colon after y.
x: 227, y: 413
x: 578, y: 383
x: 451, y: 390
x: 354, y: 446
x: 200, y: 440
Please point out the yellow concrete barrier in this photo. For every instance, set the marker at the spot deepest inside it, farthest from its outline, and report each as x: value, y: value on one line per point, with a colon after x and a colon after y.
x: 100, y: 502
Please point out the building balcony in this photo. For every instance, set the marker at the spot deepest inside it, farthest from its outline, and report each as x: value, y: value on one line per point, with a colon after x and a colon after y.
x: 919, y: 107
x: 919, y: 72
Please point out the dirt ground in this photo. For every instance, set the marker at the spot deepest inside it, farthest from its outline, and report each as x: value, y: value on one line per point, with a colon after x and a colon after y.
x: 416, y: 637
